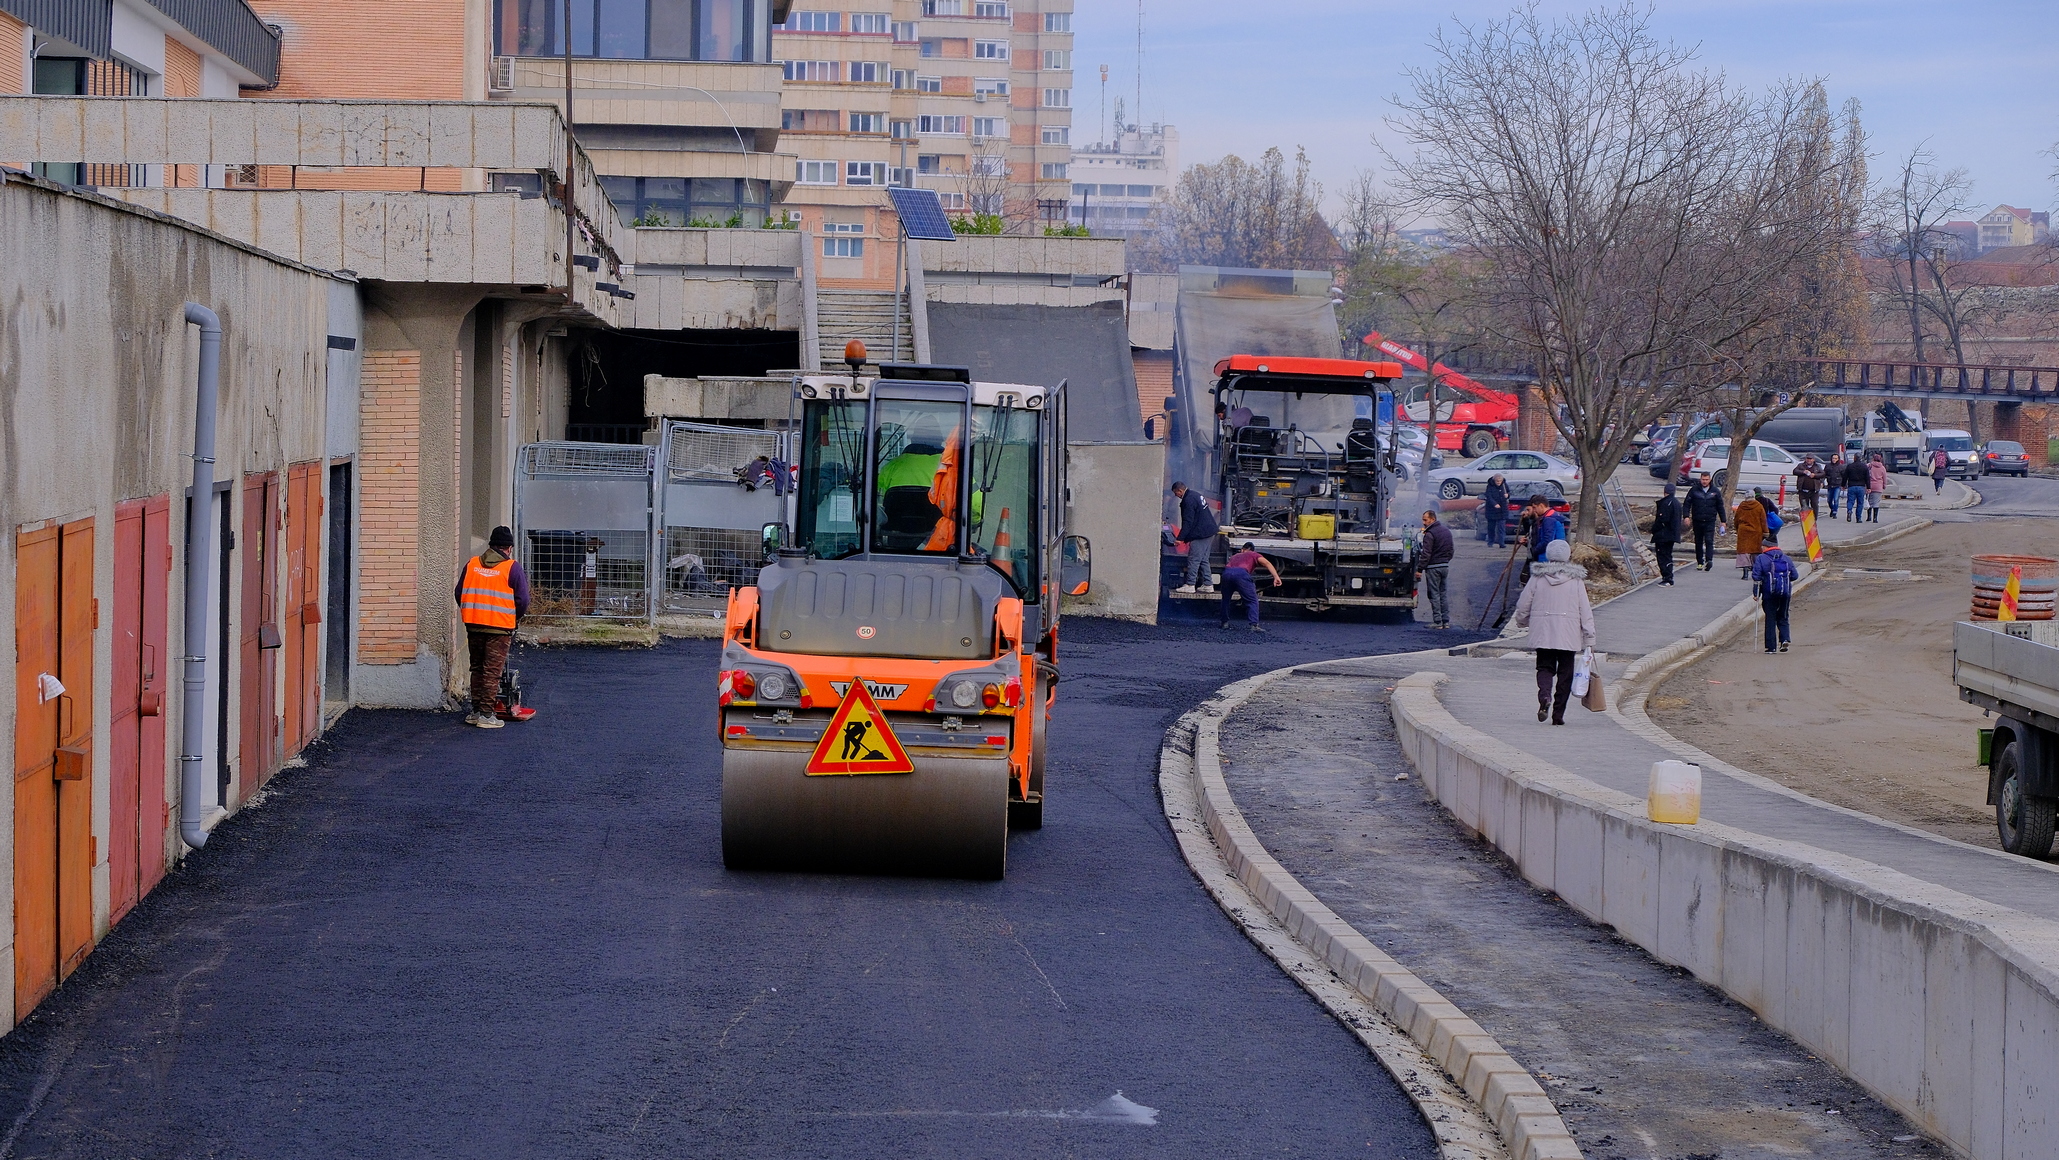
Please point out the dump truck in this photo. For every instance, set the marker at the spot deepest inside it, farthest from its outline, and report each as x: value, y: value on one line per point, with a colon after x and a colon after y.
x: 2011, y: 669
x: 1304, y: 476
x: 886, y: 685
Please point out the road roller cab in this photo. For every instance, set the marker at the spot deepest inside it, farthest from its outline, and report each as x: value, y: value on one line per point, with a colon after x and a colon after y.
x: 885, y: 686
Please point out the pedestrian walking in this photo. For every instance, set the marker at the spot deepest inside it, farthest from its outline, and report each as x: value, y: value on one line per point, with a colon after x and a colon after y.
x: 1773, y: 521
x: 492, y: 596
x: 1198, y: 530
x: 1494, y: 510
x: 1555, y: 608
x: 1434, y: 562
x: 1858, y: 478
x: 1876, y: 486
x: 1940, y: 463
x: 1239, y: 580
x: 1773, y: 579
x: 1705, y: 515
x: 1750, y: 521
x: 1541, y: 526
x: 1834, y: 480
x: 1665, y: 532
x: 1808, y: 482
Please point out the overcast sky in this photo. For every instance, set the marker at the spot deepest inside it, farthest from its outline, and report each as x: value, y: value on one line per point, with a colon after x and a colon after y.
x: 1978, y: 78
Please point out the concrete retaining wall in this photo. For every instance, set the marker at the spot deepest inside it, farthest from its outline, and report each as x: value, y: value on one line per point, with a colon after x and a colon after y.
x: 1944, y: 1006
x: 1114, y: 486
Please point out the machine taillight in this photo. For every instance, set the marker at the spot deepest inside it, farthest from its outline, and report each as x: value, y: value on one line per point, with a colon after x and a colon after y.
x: 1012, y: 692
x: 745, y: 687
x: 990, y: 696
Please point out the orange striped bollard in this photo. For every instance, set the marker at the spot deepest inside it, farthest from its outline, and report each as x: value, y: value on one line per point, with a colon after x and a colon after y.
x: 2010, y: 592
x: 1809, y: 538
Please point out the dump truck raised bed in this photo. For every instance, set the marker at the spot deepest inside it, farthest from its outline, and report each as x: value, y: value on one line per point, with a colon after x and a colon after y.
x: 1304, y: 478
x: 2011, y: 669
x: 885, y: 685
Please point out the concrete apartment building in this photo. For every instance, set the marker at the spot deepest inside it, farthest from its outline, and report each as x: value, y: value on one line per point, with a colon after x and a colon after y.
x: 1118, y: 185
x: 971, y: 98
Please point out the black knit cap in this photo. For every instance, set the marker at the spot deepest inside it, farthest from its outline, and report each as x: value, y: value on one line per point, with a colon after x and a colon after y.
x: 502, y: 537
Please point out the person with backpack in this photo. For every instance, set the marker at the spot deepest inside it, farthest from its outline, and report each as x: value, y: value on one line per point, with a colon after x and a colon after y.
x: 1773, y: 521
x: 1940, y: 463
x: 1773, y: 580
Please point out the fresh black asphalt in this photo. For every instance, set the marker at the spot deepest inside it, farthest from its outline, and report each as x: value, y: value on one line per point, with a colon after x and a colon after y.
x: 436, y: 941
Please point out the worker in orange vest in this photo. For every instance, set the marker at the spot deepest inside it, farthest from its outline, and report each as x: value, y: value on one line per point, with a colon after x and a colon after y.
x: 492, y: 595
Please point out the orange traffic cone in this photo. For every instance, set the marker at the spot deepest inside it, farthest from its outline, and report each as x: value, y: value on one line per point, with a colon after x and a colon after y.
x: 1002, y: 541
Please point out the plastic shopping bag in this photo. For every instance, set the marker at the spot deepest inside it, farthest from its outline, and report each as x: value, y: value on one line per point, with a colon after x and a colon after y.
x: 1583, y: 671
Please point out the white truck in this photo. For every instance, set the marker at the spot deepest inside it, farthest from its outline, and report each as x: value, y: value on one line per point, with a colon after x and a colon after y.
x: 1897, y: 435
x: 2011, y: 669
x: 1961, y: 460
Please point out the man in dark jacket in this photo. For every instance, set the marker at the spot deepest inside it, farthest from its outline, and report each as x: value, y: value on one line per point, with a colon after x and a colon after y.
x: 1541, y: 526
x: 1494, y: 511
x: 492, y: 595
x: 1857, y: 479
x: 1705, y: 514
x: 1834, y: 479
x: 1198, y: 531
x: 1808, y: 481
x: 1665, y: 532
x: 1433, y: 559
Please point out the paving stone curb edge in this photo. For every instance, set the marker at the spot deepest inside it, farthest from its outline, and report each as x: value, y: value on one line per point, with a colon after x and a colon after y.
x: 1497, y: 1109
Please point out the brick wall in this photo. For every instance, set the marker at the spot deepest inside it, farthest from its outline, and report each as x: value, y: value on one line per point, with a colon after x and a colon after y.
x: 12, y: 53
x: 393, y: 50
x: 390, y: 517
x: 1154, y: 384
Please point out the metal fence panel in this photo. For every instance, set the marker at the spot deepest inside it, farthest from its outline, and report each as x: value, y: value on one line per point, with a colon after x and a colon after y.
x: 583, y: 528
x: 721, y: 486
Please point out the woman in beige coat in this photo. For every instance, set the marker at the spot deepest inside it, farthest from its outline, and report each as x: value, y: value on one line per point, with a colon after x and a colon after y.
x: 1555, y: 608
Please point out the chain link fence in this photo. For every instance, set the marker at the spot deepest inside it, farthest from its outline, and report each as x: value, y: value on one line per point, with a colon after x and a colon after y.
x: 722, y: 486
x: 583, y: 519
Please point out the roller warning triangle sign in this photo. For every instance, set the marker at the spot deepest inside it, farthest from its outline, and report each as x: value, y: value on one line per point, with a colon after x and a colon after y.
x: 858, y: 739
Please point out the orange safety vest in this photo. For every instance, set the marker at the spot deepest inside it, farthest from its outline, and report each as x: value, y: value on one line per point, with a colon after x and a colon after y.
x: 489, y: 595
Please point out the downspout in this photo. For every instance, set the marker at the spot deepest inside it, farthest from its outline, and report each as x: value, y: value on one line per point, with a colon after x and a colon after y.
x: 196, y: 793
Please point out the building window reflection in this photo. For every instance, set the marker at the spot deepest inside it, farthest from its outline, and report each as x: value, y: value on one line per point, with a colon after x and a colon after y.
x: 712, y: 30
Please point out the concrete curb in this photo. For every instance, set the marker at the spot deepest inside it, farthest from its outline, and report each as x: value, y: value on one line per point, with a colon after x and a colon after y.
x: 1944, y: 1006
x: 1223, y: 852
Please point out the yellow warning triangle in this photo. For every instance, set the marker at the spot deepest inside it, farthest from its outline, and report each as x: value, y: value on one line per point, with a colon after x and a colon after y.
x: 858, y: 739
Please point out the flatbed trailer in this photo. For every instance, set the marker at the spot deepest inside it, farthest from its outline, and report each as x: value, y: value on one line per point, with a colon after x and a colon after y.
x: 2011, y: 669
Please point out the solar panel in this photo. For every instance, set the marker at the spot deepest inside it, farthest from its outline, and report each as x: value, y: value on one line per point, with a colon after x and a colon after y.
x: 922, y: 215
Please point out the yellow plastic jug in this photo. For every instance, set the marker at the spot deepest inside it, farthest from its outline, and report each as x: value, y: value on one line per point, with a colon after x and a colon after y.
x: 1676, y: 793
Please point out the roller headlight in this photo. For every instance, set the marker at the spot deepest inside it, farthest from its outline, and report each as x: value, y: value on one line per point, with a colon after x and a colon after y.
x: 964, y: 694
x: 772, y: 686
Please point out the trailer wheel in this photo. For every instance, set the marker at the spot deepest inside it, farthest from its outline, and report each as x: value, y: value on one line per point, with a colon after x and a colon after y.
x: 2025, y: 822
x: 1479, y: 444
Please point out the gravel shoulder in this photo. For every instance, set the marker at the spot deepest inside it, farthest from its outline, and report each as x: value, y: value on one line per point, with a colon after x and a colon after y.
x: 1862, y: 712
x: 1642, y: 1059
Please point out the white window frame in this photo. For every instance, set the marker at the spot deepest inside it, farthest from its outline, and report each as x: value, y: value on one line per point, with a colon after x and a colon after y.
x: 925, y: 84
x: 939, y: 125
x: 865, y: 173
x: 867, y: 122
x: 990, y: 9
x: 1055, y: 171
x: 1058, y: 59
x: 990, y: 126
x: 1057, y: 135
x: 1057, y: 22
x: 991, y: 86
x: 1058, y: 98
x: 990, y: 50
x: 802, y: 170
x: 869, y: 72
x: 875, y: 23
x: 842, y: 247
x: 827, y: 70
x: 808, y: 22
x: 906, y: 32
x: 989, y: 165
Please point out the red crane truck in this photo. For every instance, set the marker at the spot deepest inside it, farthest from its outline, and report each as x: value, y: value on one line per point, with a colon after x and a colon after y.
x: 1475, y: 429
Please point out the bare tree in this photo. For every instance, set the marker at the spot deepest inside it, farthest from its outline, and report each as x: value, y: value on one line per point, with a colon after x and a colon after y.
x: 1237, y: 214
x: 1636, y: 218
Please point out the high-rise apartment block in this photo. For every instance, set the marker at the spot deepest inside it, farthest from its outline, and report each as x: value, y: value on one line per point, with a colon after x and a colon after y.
x: 971, y: 98
x: 1117, y: 186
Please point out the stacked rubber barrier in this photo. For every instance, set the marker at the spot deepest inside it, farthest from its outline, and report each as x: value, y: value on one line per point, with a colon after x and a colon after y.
x: 2037, y: 586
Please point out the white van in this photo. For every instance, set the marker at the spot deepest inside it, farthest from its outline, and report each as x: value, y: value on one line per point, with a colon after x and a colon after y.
x: 1963, y: 462
x: 1764, y: 465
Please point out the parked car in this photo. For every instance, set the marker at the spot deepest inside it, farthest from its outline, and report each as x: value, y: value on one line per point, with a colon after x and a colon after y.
x: 1525, y: 471
x: 1764, y: 465
x: 1412, y: 437
x: 1660, y: 443
x: 2003, y: 457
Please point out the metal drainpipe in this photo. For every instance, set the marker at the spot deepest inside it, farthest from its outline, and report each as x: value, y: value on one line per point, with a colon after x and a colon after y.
x: 196, y: 792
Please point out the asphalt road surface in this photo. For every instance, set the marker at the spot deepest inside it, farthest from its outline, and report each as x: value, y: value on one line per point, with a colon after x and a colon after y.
x: 435, y: 941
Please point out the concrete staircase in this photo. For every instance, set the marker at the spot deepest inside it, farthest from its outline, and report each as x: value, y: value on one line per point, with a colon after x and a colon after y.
x: 866, y: 315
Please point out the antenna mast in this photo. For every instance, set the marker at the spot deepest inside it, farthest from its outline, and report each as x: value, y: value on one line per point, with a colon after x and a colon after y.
x: 1102, y: 132
x: 1137, y: 110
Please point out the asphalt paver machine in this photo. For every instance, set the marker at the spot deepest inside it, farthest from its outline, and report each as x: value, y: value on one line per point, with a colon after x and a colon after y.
x: 886, y: 684
x: 1307, y: 479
